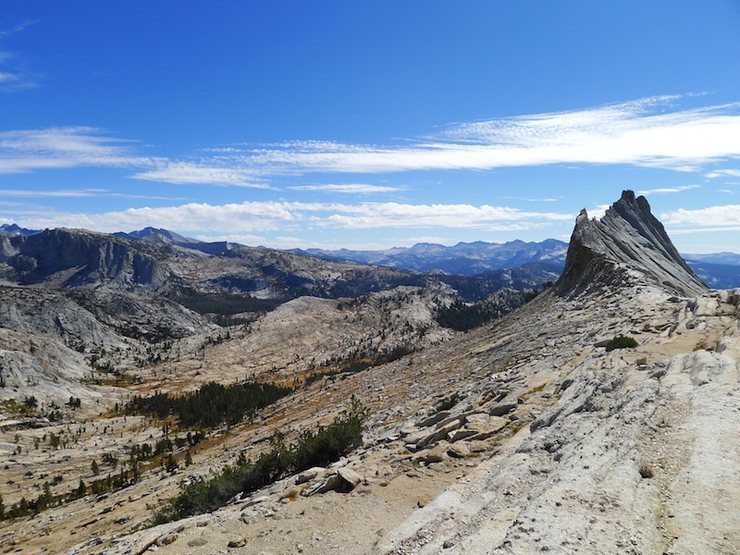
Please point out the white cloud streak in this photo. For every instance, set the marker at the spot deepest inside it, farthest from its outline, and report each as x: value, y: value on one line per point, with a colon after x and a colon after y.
x: 185, y: 173
x: 648, y: 132
x: 63, y: 147
x: 669, y: 190
x: 347, y: 188
x: 254, y: 217
x: 723, y: 173
x: 643, y: 133
x: 80, y: 193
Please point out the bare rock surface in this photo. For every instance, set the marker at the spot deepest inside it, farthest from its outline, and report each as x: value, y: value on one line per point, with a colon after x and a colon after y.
x: 626, y: 246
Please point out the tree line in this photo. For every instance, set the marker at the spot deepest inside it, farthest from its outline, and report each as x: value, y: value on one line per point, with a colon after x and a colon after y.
x: 211, y: 405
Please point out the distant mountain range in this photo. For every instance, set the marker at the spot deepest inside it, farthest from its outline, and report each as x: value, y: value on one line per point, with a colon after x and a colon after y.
x: 460, y: 259
x: 718, y: 270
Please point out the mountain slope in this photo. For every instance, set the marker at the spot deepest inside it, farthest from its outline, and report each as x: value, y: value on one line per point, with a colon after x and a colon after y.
x: 628, y: 245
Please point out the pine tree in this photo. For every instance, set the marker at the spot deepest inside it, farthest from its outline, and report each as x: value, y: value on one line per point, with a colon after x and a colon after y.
x: 94, y: 467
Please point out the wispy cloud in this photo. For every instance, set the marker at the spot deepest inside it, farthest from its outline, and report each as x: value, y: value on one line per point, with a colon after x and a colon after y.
x: 647, y: 132
x: 631, y: 133
x: 13, y: 74
x: 723, y: 173
x: 651, y: 132
x: 80, y: 193
x: 347, y: 188
x: 396, y: 215
x: 187, y: 173
x: 669, y: 190
x: 255, y: 217
x: 539, y: 199
x: 64, y: 147
x: 4, y: 33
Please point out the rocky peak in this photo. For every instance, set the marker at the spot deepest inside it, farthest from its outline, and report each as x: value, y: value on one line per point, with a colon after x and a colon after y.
x: 79, y: 257
x: 627, y: 246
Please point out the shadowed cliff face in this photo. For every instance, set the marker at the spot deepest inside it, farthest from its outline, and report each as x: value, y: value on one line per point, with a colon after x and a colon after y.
x: 626, y: 247
x: 88, y: 258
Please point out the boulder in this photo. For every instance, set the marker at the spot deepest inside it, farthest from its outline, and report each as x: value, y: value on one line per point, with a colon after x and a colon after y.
x: 310, y: 474
x: 434, y: 455
x: 439, y: 434
x: 458, y: 451
x: 461, y: 434
x: 485, y: 426
x: 499, y: 409
x: 350, y: 477
x: 343, y: 480
x: 434, y: 419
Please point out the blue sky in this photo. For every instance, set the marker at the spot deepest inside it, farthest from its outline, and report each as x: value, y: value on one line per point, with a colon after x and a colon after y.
x: 370, y: 124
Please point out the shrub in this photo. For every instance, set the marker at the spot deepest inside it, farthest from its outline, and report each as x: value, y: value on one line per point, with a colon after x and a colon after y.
x: 312, y: 448
x: 621, y: 342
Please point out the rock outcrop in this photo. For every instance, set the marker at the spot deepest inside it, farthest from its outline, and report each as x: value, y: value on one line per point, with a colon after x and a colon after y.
x: 627, y: 246
x: 77, y: 257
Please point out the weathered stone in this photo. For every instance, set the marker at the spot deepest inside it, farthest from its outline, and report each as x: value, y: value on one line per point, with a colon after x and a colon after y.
x: 434, y: 455
x: 485, y: 426
x: 343, y: 480
x: 458, y: 451
x: 416, y: 437
x: 478, y: 446
x: 256, y: 500
x: 458, y: 435
x: 439, y: 434
x: 310, y: 474
x: 234, y: 544
x: 434, y: 419
x: 499, y: 409
x: 350, y: 476
x: 167, y: 540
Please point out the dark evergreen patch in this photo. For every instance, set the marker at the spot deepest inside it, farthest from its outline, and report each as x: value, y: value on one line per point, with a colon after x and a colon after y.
x: 211, y: 405
x: 462, y: 316
x: 223, y: 302
x: 621, y: 342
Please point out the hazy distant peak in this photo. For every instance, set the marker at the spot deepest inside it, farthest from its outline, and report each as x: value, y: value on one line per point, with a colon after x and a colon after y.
x: 159, y: 235
x: 15, y: 229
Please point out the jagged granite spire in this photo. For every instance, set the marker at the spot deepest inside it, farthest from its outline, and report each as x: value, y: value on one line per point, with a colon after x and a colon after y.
x: 627, y: 246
